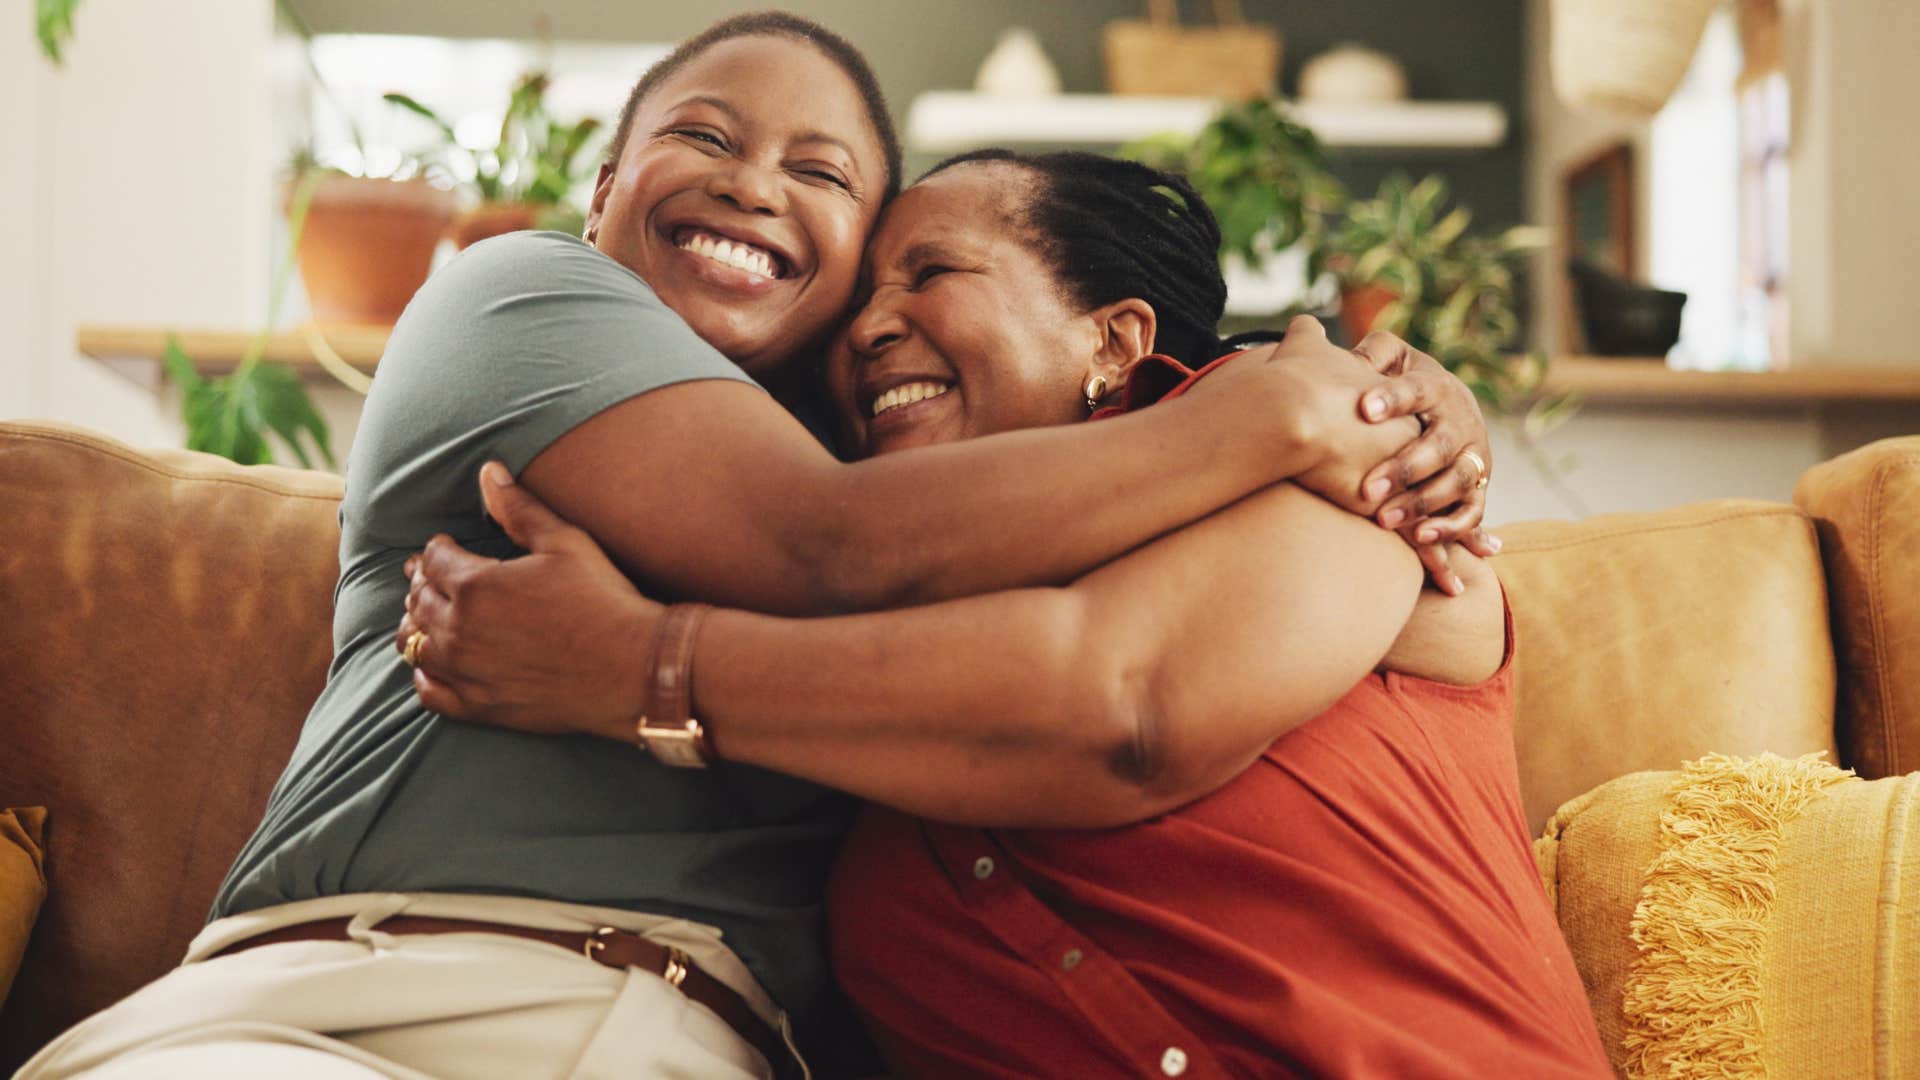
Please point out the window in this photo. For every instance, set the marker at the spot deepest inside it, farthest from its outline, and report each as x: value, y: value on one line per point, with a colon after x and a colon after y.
x: 1763, y: 218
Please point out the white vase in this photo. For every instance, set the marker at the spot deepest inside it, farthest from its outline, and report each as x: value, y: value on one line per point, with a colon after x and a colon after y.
x: 1353, y: 75
x: 1280, y: 283
x: 1017, y: 67
x: 1625, y: 56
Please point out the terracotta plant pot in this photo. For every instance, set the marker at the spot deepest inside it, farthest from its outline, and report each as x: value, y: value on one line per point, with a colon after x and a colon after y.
x: 493, y: 219
x: 1360, y: 305
x: 368, y: 246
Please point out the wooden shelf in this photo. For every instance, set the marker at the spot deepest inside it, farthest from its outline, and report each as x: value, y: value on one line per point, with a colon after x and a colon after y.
x: 137, y: 349
x: 948, y: 121
x: 1607, y: 380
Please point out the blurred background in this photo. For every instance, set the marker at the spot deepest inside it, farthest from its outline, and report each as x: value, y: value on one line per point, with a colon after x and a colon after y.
x: 1669, y: 241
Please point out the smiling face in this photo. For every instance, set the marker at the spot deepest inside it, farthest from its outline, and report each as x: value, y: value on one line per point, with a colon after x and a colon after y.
x: 748, y: 185
x: 966, y: 331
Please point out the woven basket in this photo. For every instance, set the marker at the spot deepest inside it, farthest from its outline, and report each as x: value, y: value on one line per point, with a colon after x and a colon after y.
x: 1624, y: 56
x: 1234, y: 60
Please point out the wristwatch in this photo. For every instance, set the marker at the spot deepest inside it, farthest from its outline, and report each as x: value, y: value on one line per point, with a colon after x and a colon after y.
x: 666, y: 728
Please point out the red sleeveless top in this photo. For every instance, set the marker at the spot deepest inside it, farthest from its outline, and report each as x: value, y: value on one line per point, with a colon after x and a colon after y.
x: 1361, y: 902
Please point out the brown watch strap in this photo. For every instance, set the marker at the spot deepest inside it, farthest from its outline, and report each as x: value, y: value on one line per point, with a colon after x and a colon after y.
x: 667, y: 728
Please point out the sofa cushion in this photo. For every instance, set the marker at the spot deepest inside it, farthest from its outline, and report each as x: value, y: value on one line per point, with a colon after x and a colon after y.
x: 165, y: 622
x: 23, y: 885
x: 1867, y: 506
x: 1758, y: 914
x: 1644, y: 640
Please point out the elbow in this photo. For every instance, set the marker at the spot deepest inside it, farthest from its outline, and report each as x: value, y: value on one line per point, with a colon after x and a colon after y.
x: 1126, y: 728
x: 1177, y: 751
x: 846, y: 566
x: 847, y: 577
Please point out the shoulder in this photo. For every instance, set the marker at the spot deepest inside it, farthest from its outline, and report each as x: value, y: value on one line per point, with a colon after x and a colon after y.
x: 540, y: 262
x: 528, y: 305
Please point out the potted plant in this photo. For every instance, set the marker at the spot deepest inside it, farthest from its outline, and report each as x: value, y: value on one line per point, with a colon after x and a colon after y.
x: 524, y: 179
x: 232, y: 415
x: 1407, y: 268
x: 1408, y: 265
x: 369, y: 240
x: 1266, y: 179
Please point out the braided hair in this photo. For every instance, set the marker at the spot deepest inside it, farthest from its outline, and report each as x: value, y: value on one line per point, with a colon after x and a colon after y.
x: 772, y: 24
x: 1112, y: 229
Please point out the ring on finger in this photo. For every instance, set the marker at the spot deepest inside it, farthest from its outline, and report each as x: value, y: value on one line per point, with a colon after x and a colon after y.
x: 411, y: 653
x: 1479, y: 469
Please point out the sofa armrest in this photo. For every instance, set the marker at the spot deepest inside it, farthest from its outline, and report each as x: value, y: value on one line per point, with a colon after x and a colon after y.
x: 1866, y: 506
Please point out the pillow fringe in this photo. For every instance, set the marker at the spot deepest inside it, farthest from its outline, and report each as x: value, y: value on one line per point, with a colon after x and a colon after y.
x: 1692, y: 999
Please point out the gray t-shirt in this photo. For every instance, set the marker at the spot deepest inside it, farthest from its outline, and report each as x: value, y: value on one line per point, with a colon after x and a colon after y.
x: 507, y: 348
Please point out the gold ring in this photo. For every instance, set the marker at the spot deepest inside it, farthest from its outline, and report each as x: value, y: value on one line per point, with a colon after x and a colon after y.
x: 1479, y: 468
x: 415, y: 641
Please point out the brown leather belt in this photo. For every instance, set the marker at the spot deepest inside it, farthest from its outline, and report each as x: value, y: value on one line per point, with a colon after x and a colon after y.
x: 614, y: 948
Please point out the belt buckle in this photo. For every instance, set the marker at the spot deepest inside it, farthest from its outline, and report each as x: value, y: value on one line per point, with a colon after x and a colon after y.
x: 675, y: 971
x: 596, y: 941
x: 677, y: 965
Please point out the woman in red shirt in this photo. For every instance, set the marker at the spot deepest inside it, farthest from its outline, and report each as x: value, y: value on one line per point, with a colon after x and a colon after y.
x: 1356, y: 896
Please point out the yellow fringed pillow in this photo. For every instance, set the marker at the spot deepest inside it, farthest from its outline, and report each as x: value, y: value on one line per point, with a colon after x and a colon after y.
x: 23, y: 885
x: 1745, y: 917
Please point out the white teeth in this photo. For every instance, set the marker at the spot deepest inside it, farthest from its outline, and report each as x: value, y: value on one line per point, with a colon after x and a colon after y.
x: 740, y: 256
x: 907, y: 394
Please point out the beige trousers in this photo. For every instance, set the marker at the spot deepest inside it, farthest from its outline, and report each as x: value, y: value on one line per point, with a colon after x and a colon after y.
x: 419, y: 1006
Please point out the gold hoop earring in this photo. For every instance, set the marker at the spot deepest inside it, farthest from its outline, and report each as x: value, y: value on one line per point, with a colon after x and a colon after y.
x: 1096, y: 389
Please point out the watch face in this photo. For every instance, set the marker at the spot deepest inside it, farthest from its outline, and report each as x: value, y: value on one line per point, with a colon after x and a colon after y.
x: 680, y: 747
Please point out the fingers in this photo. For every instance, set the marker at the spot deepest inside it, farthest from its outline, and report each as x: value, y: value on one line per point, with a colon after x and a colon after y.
x: 1427, y: 473
x: 1385, y: 353
x: 1458, y: 524
x: 427, y: 610
x: 437, y: 696
x: 1447, y: 481
x: 525, y: 518
x: 400, y: 636
x: 1405, y: 394
x: 1440, y: 568
x: 447, y: 566
x: 1482, y: 543
x: 1306, y: 326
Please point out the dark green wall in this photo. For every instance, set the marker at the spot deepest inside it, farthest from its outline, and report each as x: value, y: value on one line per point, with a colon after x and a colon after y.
x: 1463, y: 50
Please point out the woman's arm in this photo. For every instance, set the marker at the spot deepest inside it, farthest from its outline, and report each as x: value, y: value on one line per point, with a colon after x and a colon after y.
x: 1136, y: 688
x: 1455, y: 639
x: 706, y: 489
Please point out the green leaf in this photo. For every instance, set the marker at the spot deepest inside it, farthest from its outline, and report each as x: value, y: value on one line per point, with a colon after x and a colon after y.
x: 1371, y: 265
x: 412, y: 106
x: 1525, y: 239
x: 284, y: 408
x: 180, y: 367
x: 550, y: 185
x: 575, y: 141
x: 1450, y: 228
x: 1550, y: 413
x: 53, y: 24
x: 1249, y: 212
x: 232, y: 415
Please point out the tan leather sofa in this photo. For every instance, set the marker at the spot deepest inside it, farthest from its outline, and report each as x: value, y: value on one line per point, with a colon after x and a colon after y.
x: 164, y: 623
